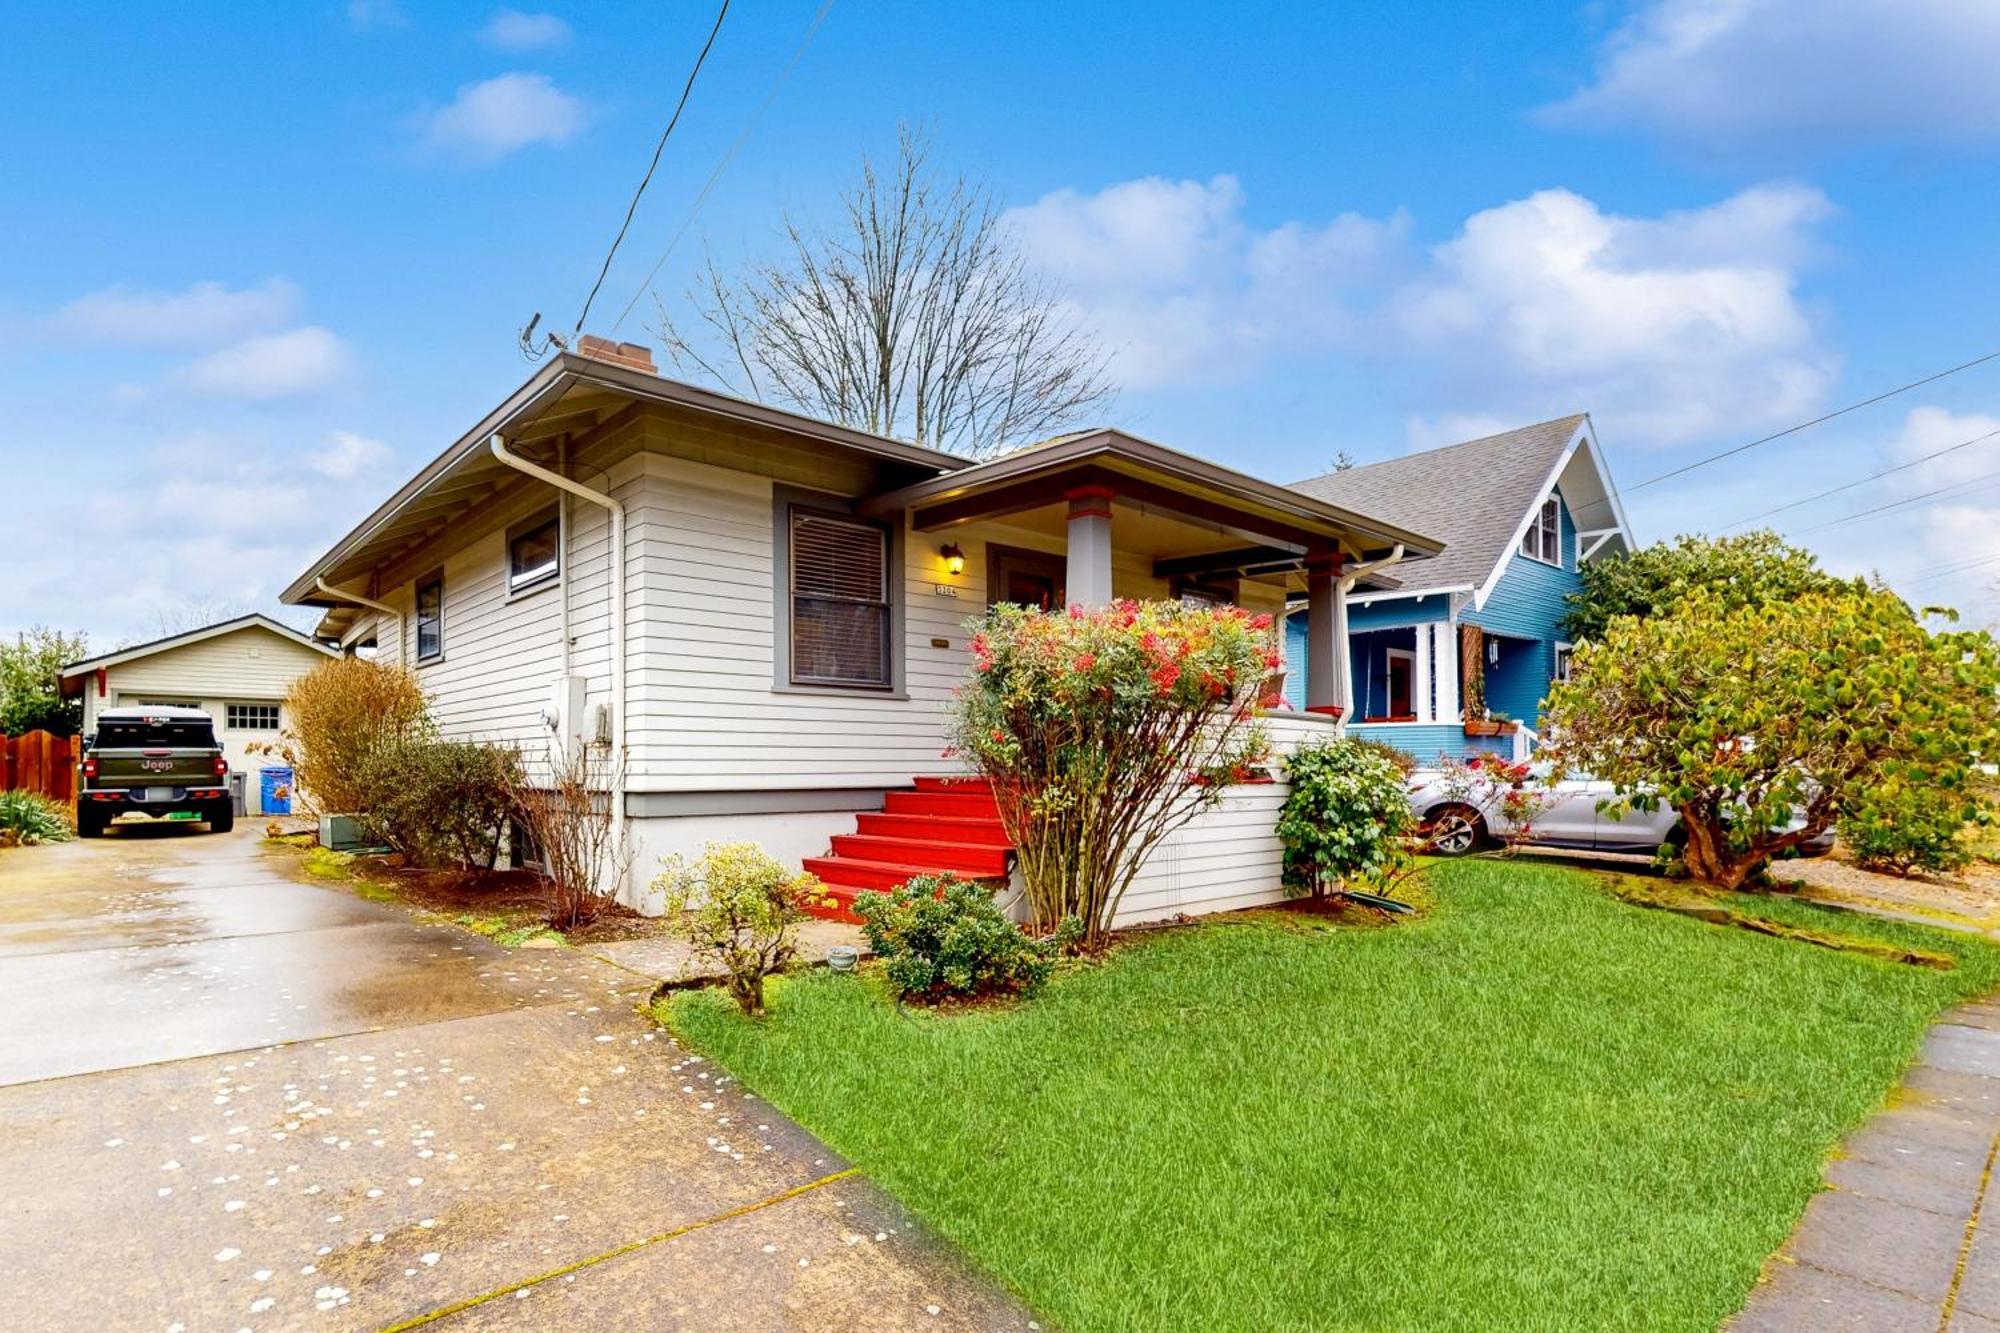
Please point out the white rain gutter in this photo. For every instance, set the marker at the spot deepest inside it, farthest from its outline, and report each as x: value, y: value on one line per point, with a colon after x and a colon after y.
x: 508, y: 458
x: 357, y: 599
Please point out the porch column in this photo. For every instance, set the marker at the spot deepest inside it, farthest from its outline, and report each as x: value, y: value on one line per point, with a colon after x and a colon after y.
x: 1444, y: 641
x: 1327, y: 667
x: 1089, y: 574
x: 1420, y: 677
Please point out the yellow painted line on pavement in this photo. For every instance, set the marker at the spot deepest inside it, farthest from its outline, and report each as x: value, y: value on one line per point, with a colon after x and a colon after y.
x: 459, y: 1307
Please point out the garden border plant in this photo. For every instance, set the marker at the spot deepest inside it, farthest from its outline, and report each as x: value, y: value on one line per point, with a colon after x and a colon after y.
x: 1102, y: 730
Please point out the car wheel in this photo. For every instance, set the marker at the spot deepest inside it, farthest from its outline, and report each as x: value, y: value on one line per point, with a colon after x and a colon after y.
x: 223, y: 820
x: 89, y: 821
x: 1456, y: 830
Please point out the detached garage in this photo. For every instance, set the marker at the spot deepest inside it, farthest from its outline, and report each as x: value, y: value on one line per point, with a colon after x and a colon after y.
x: 237, y: 672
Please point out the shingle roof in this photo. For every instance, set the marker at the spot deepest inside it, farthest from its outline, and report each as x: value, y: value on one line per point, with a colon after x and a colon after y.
x: 1472, y: 496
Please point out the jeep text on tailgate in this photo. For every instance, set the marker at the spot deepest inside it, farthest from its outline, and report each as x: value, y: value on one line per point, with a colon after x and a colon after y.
x: 161, y: 762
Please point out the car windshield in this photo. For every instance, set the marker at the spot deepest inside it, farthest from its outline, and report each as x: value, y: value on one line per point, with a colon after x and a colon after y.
x: 154, y: 733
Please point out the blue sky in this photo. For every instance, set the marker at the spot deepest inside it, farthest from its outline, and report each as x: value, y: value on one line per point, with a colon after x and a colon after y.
x: 267, y: 260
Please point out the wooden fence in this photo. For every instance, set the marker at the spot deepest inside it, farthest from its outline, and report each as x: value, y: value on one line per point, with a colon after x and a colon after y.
x: 40, y: 762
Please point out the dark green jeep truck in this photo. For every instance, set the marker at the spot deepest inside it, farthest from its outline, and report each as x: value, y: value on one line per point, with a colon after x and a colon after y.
x: 156, y: 761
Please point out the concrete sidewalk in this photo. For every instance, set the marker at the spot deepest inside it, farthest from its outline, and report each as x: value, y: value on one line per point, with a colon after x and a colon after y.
x: 1905, y: 1237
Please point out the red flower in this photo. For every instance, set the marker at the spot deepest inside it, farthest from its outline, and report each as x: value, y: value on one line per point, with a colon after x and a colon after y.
x: 1165, y: 675
x: 1261, y: 620
x: 1085, y: 661
x: 1271, y: 661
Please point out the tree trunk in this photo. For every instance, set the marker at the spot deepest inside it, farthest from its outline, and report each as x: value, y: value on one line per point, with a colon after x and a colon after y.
x: 749, y: 993
x: 1709, y: 857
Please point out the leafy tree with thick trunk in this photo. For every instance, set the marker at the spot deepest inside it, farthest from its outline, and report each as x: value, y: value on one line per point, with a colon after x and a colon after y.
x: 1742, y: 719
x: 914, y: 315
x: 1722, y: 573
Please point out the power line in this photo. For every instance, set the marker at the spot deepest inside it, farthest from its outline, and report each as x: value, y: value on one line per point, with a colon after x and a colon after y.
x: 1803, y: 425
x: 749, y: 128
x: 1937, y: 573
x: 1876, y: 476
x: 1879, y: 510
x: 652, y: 166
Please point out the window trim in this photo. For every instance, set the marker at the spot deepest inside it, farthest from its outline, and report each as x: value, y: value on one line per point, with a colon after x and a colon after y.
x: 1563, y: 648
x: 548, y: 578
x: 785, y: 500
x: 277, y: 717
x: 1536, y: 526
x: 435, y: 580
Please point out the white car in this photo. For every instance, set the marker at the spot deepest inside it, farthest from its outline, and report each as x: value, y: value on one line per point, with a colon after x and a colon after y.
x: 1461, y: 822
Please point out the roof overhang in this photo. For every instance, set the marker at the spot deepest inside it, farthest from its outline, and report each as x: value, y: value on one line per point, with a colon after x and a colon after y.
x: 1282, y: 523
x: 74, y: 675
x: 567, y: 396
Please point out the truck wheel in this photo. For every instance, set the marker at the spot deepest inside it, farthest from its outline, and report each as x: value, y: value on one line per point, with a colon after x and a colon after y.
x: 90, y: 820
x: 223, y: 820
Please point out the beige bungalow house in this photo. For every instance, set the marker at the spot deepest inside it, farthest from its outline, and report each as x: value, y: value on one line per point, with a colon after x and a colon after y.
x: 766, y: 614
x: 236, y: 671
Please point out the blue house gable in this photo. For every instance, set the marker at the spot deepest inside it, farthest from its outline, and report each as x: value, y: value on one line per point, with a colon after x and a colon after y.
x: 1508, y: 508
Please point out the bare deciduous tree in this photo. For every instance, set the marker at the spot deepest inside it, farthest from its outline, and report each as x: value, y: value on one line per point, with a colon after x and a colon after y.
x: 914, y: 316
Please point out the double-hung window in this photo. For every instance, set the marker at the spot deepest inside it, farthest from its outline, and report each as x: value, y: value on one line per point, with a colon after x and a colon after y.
x: 534, y: 554
x: 1543, y: 540
x: 839, y: 592
x: 430, y: 619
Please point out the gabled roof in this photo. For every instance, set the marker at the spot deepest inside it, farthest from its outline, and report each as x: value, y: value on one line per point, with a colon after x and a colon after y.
x: 1478, y: 496
x: 253, y: 621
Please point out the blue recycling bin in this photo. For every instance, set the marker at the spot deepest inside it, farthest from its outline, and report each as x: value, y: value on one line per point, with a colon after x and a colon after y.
x: 275, y: 789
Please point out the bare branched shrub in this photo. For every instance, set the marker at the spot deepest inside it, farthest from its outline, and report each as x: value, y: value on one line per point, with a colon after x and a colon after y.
x: 913, y: 315
x: 336, y: 715
x: 564, y: 807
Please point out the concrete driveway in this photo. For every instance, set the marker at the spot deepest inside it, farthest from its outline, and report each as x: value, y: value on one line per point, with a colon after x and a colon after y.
x: 231, y: 1100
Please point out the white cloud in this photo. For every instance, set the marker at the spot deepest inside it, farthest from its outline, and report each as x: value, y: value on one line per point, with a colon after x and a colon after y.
x: 1668, y: 327
x: 512, y: 30
x: 280, y: 365
x: 347, y: 455
x: 1727, y: 75
x: 1180, y: 287
x: 204, y: 313
x: 1672, y: 327
x: 1934, y: 430
x: 486, y: 121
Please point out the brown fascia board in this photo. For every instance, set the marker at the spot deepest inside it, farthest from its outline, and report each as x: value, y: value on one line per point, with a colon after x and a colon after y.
x: 1116, y: 445
x: 557, y: 377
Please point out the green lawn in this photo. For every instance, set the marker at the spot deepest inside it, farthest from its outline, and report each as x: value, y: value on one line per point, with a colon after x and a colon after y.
x: 1537, y: 1108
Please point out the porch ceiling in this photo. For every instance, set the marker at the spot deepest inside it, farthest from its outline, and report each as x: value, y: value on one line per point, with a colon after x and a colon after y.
x: 1249, y: 516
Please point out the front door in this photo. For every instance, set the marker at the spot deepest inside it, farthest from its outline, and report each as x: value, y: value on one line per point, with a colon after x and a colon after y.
x: 1402, y: 667
x: 1026, y: 578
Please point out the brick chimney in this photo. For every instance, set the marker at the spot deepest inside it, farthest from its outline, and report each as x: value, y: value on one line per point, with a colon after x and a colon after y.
x: 633, y: 356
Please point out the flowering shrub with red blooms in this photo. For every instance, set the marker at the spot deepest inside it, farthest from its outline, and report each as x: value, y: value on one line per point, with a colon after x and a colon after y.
x: 1104, y: 730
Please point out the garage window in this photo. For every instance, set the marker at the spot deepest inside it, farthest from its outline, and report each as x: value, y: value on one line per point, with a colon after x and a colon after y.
x: 250, y: 717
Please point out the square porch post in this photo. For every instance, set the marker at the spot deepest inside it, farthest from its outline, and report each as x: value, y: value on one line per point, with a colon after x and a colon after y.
x: 1089, y: 574
x: 1444, y: 640
x: 1327, y: 667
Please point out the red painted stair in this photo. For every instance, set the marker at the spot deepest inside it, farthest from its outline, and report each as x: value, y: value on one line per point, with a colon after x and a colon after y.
x: 944, y: 824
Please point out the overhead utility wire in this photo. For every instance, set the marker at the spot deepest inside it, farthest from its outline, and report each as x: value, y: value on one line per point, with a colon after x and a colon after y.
x: 749, y: 127
x: 1793, y: 430
x: 1874, y: 476
x: 651, y: 167
x: 1907, y: 501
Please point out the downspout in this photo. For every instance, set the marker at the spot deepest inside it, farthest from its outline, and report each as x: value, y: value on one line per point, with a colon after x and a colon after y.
x: 402, y: 658
x: 1347, y: 582
x: 616, y: 510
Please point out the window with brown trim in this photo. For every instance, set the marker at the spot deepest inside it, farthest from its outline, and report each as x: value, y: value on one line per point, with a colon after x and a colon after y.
x: 840, y: 611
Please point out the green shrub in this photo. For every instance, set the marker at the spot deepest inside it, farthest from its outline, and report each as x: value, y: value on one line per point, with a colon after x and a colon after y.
x: 740, y: 908
x: 1900, y: 831
x: 28, y: 818
x: 437, y: 802
x: 1346, y: 817
x: 939, y: 935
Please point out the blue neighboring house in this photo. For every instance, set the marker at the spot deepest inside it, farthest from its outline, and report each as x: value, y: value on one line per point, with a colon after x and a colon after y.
x: 1519, y: 513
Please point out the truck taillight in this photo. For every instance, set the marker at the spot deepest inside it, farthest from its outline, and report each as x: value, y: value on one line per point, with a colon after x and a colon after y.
x: 221, y: 767
x: 90, y: 767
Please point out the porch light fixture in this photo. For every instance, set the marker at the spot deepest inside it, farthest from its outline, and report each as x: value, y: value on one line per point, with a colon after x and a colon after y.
x: 954, y: 559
